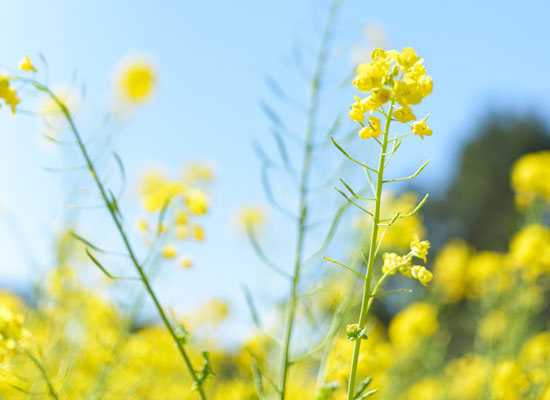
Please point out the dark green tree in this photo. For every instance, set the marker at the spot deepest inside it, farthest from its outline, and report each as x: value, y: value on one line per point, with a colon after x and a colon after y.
x: 478, y: 206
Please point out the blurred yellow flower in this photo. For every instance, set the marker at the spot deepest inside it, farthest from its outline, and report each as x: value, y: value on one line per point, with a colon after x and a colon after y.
x: 185, y: 262
x: 509, y: 381
x: 168, y: 251
x: 7, y: 93
x: 531, y: 178
x: 250, y: 217
x: 197, y: 201
x: 426, y: 389
x: 493, y: 326
x: 416, y: 322
x: 467, y: 376
x: 26, y: 65
x: 136, y: 79
x: 530, y: 251
x: 450, y: 270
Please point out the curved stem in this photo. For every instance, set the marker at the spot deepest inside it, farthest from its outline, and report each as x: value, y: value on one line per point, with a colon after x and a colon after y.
x: 42, y: 370
x: 367, y: 299
x: 124, y: 237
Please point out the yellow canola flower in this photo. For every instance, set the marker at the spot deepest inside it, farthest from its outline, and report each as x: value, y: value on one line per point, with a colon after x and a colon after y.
x: 404, y: 114
x: 493, y: 326
x: 186, y: 262
x: 530, y: 251
x: 488, y: 272
x: 421, y: 273
x: 530, y: 178
x: 357, y: 112
x: 426, y: 389
x: 26, y: 65
x: 198, y: 233
x: 466, y: 377
x: 392, y: 260
x: 198, y: 172
x: 421, y: 129
x: 197, y: 201
x: 509, y: 381
x: 7, y: 93
x: 251, y: 217
x: 408, y: 58
x: 136, y: 79
x: 419, y: 248
x: 373, y: 129
x: 535, y: 357
x: 416, y: 322
x: 450, y: 267
x: 156, y: 190
x: 168, y: 251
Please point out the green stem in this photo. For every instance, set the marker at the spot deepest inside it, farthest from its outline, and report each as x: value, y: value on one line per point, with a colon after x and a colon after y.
x: 43, y: 372
x: 367, y: 299
x: 303, y: 202
x: 124, y: 237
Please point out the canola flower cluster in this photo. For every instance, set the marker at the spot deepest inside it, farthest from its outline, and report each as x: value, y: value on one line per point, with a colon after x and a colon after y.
x: 391, y: 74
x: 393, y: 262
x: 187, y: 202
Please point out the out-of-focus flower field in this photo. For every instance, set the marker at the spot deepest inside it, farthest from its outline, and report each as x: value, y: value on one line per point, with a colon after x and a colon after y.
x: 388, y: 295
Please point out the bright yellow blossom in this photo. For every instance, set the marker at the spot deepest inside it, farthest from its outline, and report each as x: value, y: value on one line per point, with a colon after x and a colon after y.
x: 509, y: 381
x: 26, y: 65
x: 404, y: 114
x: 421, y: 273
x: 421, y: 129
x: 7, y: 93
x: 420, y: 248
x: 372, y: 129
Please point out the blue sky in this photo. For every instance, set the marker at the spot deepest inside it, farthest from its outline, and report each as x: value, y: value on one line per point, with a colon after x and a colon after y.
x: 212, y: 59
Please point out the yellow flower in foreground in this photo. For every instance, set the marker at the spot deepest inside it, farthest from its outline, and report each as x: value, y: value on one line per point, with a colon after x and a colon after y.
x: 372, y: 129
x: 509, y: 381
x: 421, y: 129
x: 404, y: 114
x: 26, y: 65
x: 136, y: 80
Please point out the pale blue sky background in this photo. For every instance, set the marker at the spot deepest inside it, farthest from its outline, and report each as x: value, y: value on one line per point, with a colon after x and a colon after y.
x: 212, y: 59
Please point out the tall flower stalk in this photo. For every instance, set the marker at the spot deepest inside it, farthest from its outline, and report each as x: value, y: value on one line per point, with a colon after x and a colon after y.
x: 198, y: 377
x: 397, y: 79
